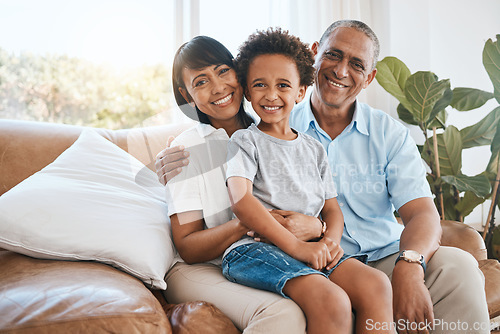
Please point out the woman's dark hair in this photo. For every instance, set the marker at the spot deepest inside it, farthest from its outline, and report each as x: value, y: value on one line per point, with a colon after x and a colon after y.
x: 200, y: 52
x: 276, y: 41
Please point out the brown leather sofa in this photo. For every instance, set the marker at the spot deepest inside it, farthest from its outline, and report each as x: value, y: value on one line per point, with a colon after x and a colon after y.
x: 48, y: 296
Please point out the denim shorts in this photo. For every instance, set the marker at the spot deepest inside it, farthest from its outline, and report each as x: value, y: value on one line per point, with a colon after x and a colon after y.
x: 266, y: 267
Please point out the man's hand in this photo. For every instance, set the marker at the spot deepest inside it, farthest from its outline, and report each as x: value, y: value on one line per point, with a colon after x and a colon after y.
x: 302, y: 226
x: 257, y: 237
x: 170, y: 161
x: 412, y: 302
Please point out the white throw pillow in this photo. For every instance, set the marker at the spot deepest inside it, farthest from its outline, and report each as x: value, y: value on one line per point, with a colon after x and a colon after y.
x: 94, y: 202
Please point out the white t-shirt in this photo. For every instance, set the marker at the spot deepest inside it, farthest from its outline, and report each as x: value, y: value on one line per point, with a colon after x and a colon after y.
x: 201, y: 184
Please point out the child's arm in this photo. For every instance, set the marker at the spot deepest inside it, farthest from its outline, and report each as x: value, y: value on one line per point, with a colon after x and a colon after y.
x: 334, y: 219
x: 256, y: 217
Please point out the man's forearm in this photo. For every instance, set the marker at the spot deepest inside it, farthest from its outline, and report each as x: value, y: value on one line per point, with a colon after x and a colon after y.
x: 422, y: 231
x: 421, y: 236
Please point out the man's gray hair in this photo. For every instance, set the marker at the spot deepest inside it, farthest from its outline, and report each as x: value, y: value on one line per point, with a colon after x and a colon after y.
x: 359, y: 26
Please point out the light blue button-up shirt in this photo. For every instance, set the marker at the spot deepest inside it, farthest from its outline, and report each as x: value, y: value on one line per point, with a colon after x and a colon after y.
x: 377, y: 168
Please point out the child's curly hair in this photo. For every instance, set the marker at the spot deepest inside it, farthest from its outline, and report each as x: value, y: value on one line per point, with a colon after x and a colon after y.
x: 275, y: 41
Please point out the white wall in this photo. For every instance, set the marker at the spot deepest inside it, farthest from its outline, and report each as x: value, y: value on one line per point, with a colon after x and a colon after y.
x: 446, y: 37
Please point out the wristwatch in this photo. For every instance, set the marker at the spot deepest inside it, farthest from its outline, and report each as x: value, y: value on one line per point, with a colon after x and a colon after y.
x: 323, y: 228
x: 412, y: 257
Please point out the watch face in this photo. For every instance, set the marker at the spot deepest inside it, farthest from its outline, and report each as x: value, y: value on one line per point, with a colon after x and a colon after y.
x: 411, y: 255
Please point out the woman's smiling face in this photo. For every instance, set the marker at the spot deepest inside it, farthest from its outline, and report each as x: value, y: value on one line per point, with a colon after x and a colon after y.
x: 215, y: 90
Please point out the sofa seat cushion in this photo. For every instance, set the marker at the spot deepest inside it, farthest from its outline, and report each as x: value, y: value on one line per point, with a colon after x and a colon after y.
x: 50, y: 296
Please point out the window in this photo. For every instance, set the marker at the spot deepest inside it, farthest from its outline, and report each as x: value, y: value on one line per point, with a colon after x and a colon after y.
x: 98, y: 63
x: 107, y: 63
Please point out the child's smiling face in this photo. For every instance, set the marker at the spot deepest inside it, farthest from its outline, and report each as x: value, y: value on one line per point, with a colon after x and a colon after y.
x: 273, y: 87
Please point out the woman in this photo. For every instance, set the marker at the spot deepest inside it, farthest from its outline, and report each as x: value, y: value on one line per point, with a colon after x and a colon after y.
x: 206, y: 89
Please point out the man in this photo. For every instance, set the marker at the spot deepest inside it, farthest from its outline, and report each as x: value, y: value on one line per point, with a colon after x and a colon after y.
x: 375, y: 163
x: 376, y: 167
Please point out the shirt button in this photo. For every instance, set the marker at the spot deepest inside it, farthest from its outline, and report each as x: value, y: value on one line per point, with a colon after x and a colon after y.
x: 353, y: 233
x: 341, y: 204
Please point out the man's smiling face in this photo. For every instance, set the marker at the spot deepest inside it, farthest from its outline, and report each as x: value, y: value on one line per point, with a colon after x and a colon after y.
x: 343, y: 67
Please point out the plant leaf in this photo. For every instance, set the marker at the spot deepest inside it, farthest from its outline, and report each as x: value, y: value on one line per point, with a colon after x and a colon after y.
x: 495, y: 143
x: 392, y: 74
x: 479, y: 184
x: 482, y: 132
x: 493, y: 163
x: 468, y: 203
x: 405, y: 115
x: 439, y: 114
x: 450, y: 212
x: 423, y: 91
x: 495, y: 154
x: 445, y: 101
x: 491, y: 62
x: 469, y: 98
x: 449, y: 150
x: 439, y: 120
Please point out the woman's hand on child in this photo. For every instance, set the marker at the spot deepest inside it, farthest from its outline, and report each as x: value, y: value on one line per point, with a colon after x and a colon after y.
x: 169, y: 162
x: 336, y: 251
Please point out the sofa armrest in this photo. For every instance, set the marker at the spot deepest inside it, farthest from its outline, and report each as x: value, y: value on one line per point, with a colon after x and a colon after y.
x: 196, y: 317
x: 49, y: 296
x: 491, y: 271
x: 463, y: 236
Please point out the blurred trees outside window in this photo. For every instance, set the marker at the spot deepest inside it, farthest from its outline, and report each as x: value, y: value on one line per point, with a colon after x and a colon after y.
x: 70, y: 90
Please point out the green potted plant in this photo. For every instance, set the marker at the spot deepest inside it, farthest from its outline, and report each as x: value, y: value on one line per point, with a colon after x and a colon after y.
x: 424, y: 102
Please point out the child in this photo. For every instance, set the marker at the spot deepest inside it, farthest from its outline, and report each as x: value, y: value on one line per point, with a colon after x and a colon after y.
x: 271, y: 166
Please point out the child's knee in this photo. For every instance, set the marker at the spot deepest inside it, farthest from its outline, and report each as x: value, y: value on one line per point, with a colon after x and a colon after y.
x: 336, y: 302
x: 377, y: 287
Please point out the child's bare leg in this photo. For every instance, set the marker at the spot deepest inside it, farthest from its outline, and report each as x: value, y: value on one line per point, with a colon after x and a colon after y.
x: 326, y: 306
x: 370, y: 292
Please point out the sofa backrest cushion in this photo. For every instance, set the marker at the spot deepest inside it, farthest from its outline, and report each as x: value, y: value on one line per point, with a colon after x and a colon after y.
x: 26, y: 147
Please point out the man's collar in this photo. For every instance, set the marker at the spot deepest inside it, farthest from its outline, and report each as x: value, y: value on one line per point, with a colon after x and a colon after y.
x: 307, y: 116
x: 358, y: 118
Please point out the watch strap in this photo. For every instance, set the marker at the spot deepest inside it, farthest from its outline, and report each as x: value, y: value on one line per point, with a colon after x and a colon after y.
x: 421, y: 261
x: 323, y: 228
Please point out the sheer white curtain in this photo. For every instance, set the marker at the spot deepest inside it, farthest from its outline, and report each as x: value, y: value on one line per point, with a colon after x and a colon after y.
x: 307, y: 19
x: 232, y: 21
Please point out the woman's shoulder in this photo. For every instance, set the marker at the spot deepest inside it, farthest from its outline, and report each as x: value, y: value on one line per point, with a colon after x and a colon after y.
x: 190, y: 137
